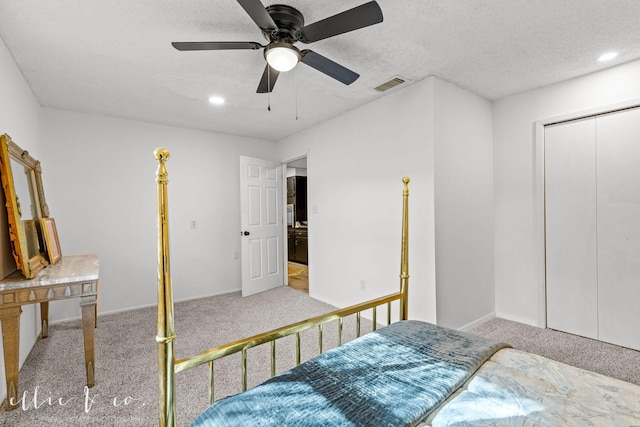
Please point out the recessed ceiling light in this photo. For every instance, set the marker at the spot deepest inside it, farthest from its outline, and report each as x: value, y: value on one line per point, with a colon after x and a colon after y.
x: 216, y: 100
x: 607, y: 56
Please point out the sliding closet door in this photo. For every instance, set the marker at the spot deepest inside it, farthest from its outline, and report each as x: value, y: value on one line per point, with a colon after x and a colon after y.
x: 618, y: 159
x: 570, y: 226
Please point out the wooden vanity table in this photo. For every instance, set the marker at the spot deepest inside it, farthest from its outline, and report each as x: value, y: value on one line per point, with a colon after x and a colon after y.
x: 71, y: 277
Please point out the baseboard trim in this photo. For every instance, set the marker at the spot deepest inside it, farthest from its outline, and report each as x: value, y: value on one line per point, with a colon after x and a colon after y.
x: 478, y: 322
x: 526, y: 321
x: 124, y: 310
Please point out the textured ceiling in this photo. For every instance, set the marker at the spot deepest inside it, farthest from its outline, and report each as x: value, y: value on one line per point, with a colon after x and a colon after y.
x: 115, y: 58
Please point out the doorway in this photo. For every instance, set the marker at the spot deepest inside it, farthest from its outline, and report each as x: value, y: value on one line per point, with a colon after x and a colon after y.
x: 297, y: 224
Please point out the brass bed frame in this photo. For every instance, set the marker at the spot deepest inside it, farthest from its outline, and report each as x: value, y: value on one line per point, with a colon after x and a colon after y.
x: 168, y: 366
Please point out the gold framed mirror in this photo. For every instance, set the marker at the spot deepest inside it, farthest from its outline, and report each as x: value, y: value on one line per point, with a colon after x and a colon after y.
x: 21, y: 177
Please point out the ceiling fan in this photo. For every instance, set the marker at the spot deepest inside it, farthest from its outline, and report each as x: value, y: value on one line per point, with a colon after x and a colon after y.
x: 283, y: 26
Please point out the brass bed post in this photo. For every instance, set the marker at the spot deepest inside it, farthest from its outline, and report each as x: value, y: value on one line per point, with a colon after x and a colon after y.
x: 404, y: 257
x: 166, y: 334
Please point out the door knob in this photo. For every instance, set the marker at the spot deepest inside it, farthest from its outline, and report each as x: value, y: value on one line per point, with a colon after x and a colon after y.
x: 244, y: 233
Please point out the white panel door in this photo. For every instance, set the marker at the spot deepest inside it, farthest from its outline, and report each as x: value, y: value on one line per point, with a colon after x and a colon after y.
x: 261, y: 221
x: 570, y: 227
x: 618, y: 142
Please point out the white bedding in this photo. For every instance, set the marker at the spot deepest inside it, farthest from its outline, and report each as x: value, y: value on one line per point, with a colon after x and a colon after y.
x: 515, y: 388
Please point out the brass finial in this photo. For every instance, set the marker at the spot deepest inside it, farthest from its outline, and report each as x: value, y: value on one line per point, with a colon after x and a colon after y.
x: 162, y: 155
x: 406, y: 181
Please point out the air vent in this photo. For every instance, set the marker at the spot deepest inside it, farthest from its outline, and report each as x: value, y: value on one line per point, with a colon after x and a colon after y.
x: 396, y: 81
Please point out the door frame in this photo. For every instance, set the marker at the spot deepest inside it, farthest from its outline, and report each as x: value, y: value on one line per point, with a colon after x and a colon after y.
x: 538, y: 202
x: 285, y: 255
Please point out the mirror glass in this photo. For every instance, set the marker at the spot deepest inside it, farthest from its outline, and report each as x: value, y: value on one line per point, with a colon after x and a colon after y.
x: 22, y: 185
x: 27, y: 206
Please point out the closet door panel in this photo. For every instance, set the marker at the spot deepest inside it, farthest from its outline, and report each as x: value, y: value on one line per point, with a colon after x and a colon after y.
x: 618, y: 158
x: 570, y: 226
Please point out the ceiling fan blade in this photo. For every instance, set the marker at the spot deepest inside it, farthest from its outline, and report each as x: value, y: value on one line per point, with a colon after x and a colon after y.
x: 349, y: 20
x: 268, y: 80
x: 215, y: 45
x: 255, y: 9
x: 328, y: 67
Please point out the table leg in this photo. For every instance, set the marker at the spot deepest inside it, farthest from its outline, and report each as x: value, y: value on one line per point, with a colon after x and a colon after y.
x: 88, y: 305
x: 10, y: 319
x: 44, y: 317
x: 96, y: 307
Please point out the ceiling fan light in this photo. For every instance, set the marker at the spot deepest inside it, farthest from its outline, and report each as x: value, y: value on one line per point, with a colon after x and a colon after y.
x: 282, y: 58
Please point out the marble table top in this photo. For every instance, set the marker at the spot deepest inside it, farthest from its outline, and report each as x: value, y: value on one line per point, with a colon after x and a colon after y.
x: 72, y: 268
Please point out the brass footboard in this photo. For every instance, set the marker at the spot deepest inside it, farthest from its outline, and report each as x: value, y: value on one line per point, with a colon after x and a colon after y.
x: 168, y: 366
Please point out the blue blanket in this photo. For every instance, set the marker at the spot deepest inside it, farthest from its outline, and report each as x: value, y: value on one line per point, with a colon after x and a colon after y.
x: 394, y: 376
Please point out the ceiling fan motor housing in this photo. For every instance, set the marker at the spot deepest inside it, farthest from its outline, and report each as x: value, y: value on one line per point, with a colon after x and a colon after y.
x: 289, y: 22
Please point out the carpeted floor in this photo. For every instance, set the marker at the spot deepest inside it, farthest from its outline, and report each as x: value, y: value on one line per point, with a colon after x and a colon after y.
x: 597, y: 356
x: 52, y: 379
x: 126, y: 390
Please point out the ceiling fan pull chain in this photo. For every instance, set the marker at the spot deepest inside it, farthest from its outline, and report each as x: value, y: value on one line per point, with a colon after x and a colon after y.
x: 295, y: 83
x: 268, y: 88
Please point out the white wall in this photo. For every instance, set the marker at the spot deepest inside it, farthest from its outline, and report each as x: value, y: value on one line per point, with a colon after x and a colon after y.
x: 463, y: 206
x: 296, y: 172
x: 20, y: 118
x: 440, y: 136
x: 99, y: 177
x: 355, y: 167
x: 519, y: 275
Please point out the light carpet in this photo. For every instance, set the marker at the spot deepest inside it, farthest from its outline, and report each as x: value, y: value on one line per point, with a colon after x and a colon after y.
x: 126, y: 390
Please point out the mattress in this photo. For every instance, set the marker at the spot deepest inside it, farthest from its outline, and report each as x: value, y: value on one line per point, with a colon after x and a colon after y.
x: 514, y: 388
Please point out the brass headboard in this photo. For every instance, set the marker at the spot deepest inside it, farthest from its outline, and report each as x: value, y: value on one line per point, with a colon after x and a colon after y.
x: 168, y: 366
